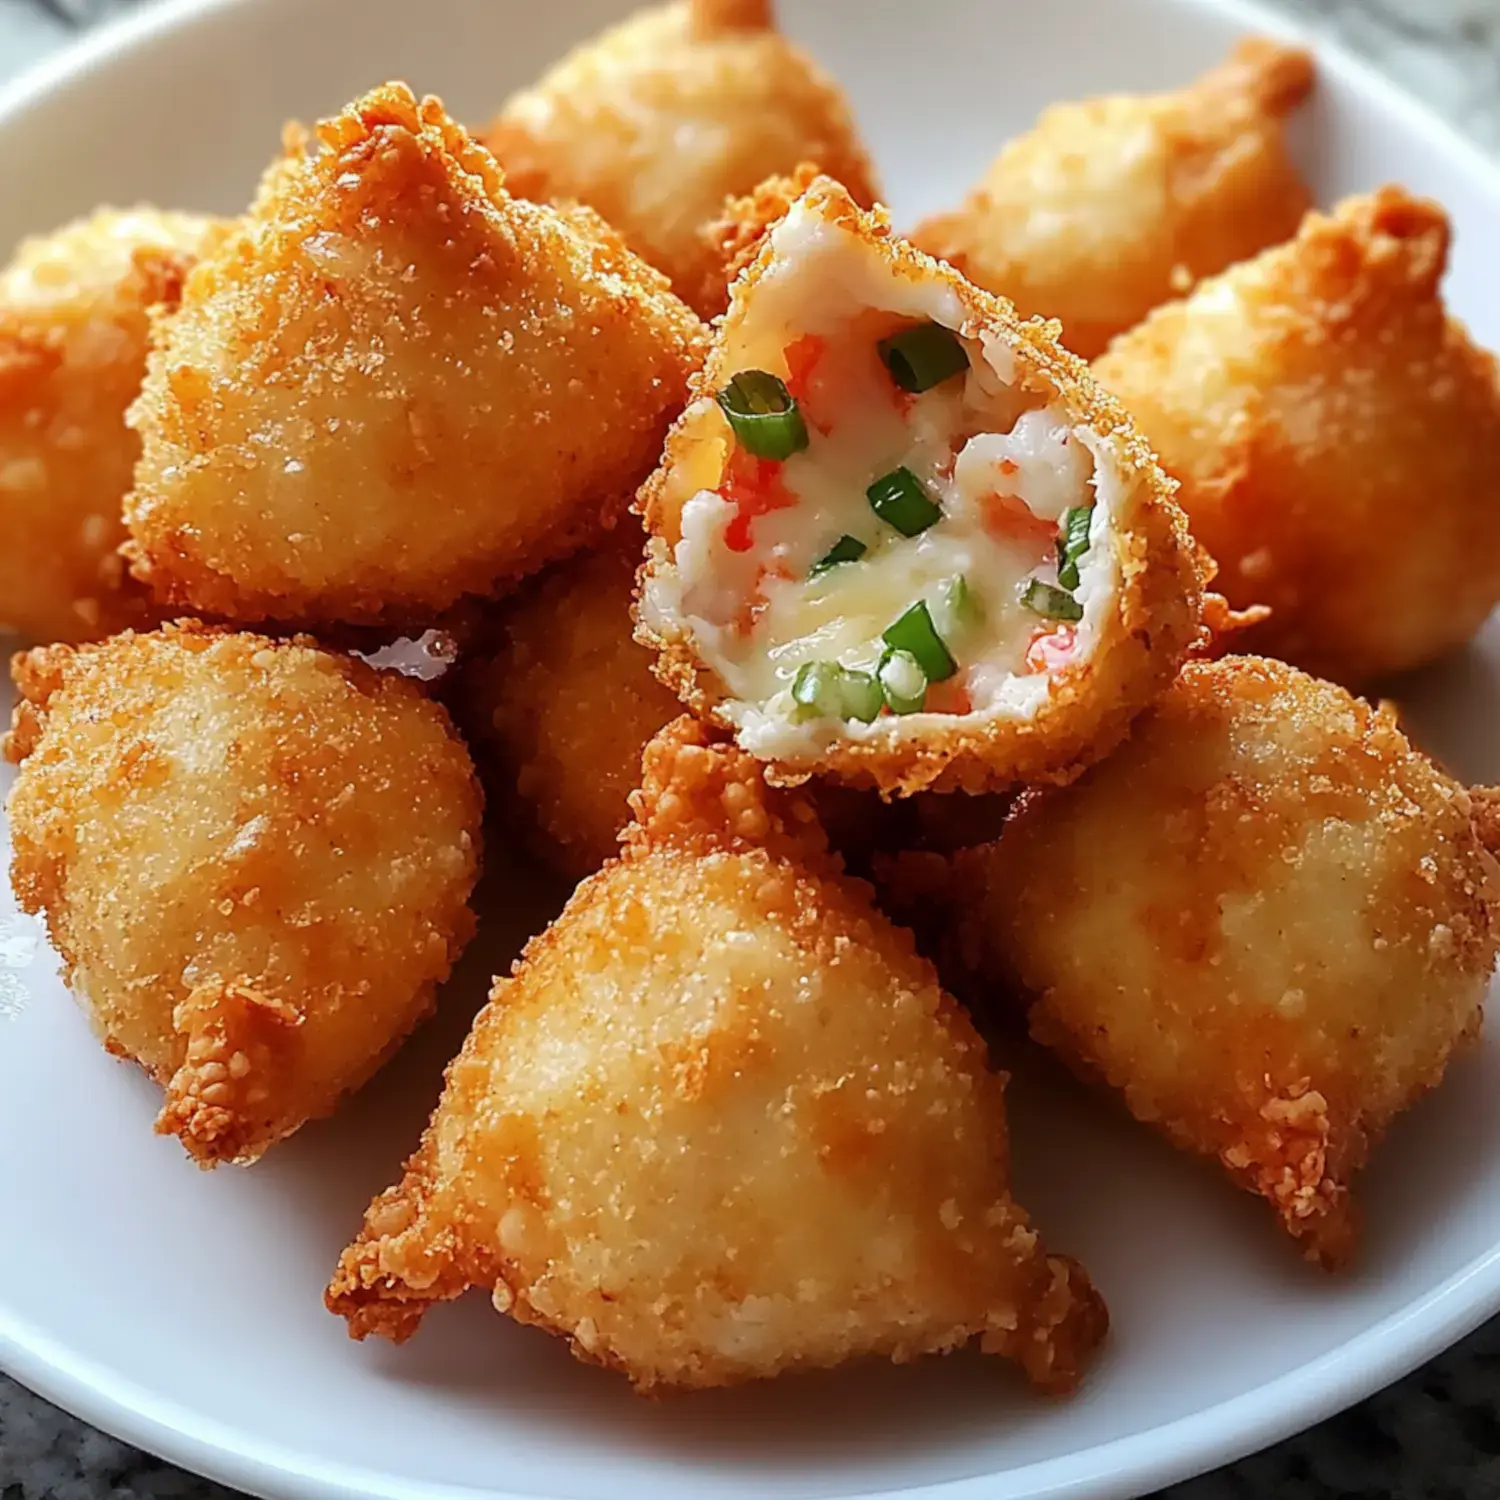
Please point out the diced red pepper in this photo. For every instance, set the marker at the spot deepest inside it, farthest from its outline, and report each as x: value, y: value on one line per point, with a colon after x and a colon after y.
x: 1009, y: 516
x: 828, y: 378
x: 754, y: 487
x: 803, y: 356
x: 950, y: 697
x: 1051, y: 648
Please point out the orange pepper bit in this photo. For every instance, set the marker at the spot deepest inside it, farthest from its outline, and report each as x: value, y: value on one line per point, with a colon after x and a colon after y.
x: 950, y: 697
x: 803, y: 357
x: 827, y: 377
x: 1051, y: 647
x: 753, y: 486
x: 1010, y: 517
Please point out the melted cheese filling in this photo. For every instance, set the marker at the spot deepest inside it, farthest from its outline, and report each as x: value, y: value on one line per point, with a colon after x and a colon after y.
x: 1004, y: 471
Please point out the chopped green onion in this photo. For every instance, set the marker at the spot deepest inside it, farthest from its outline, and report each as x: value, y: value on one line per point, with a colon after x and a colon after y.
x: 765, y: 418
x: 914, y: 632
x: 957, y: 609
x: 846, y: 549
x: 861, y: 696
x: 1072, y: 544
x: 922, y: 357
x: 1051, y: 602
x: 900, y: 501
x: 815, y: 688
x: 826, y: 690
x: 903, y: 682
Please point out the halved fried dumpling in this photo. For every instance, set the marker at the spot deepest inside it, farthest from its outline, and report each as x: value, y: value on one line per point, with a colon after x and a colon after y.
x: 900, y: 536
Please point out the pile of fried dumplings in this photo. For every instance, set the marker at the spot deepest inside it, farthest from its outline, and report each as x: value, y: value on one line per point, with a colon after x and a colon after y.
x: 914, y: 648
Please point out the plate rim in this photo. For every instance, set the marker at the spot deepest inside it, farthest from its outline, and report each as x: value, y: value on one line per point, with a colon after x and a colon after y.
x: 1119, y: 1469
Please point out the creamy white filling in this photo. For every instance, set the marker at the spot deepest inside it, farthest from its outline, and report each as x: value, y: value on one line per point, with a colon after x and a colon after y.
x: 1004, y: 474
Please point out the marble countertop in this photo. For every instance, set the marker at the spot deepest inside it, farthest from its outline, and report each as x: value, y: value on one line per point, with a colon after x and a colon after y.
x: 1433, y: 1436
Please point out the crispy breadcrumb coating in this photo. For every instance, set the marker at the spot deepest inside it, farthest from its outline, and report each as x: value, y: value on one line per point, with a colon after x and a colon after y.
x: 73, y: 331
x: 253, y: 856
x: 1266, y: 922
x: 1153, y: 615
x: 1335, y: 434
x: 564, y: 700
x: 396, y: 385
x: 659, y: 120
x: 722, y: 1123
x: 1110, y: 206
x: 734, y: 237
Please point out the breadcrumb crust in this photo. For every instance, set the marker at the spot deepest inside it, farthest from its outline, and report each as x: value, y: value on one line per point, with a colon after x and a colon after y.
x: 559, y: 701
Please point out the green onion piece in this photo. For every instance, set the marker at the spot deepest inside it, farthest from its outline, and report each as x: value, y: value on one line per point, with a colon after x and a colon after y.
x: 957, y: 609
x: 826, y: 690
x: 860, y: 696
x: 1050, y: 602
x: 846, y: 549
x: 900, y: 501
x: 903, y: 682
x: 765, y: 418
x: 914, y: 632
x: 815, y: 690
x: 1072, y: 544
x: 922, y: 357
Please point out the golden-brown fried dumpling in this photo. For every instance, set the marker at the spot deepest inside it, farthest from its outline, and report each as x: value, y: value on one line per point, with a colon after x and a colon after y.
x: 1265, y: 921
x: 901, y: 536
x: 73, y: 330
x: 1335, y: 434
x: 1110, y: 206
x: 660, y: 119
x: 564, y: 700
x: 253, y: 856
x: 396, y: 385
x: 721, y: 1123
x: 560, y: 701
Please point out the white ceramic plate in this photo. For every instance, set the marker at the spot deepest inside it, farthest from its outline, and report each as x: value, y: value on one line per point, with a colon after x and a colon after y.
x: 182, y: 1310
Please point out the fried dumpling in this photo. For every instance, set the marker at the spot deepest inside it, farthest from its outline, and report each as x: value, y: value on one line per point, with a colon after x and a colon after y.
x: 396, y: 385
x: 900, y: 536
x: 722, y: 1122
